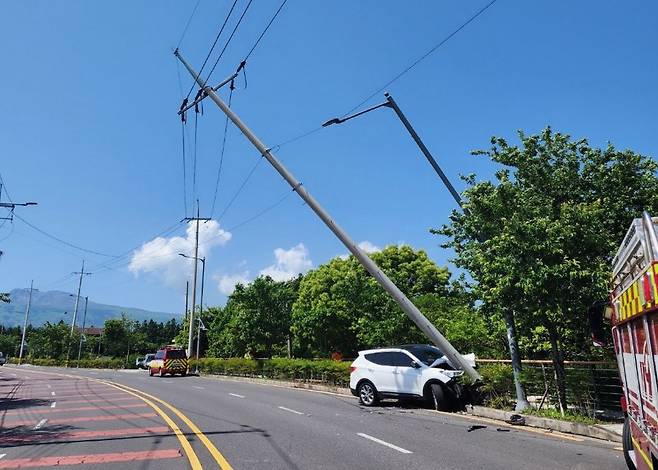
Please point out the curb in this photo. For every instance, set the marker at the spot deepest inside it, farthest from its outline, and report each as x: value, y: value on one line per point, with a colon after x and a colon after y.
x: 588, y: 430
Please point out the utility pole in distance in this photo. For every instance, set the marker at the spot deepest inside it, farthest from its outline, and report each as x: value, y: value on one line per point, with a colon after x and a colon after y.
x: 403, y: 302
x: 190, y: 326
x: 82, y: 332
x: 75, y: 309
x: 27, y: 314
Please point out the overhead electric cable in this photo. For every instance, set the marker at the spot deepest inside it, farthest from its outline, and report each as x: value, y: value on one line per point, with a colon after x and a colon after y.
x: 237, y: 193
x: 184, y: 170
x: 205, y: 61
x: 228, y: 41
x: 396, y: 77
x: 187, y: 25
x: 64, y: 242
x: 221, y: 154
x: 265, y: 30
x: 261, y: 213
x: 421, y: 58
x: 196, y: 119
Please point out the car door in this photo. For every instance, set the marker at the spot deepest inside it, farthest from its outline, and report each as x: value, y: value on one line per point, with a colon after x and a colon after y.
x: 407, y: 377
x: 382, y: 371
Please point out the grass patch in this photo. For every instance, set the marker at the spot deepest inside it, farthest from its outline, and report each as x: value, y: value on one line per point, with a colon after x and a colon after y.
x: 569, y: 415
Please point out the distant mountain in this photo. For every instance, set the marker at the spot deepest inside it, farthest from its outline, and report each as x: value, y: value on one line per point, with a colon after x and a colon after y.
x: 54, y: 306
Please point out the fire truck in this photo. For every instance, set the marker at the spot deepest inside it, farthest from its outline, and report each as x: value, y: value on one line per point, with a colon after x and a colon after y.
x: 633, y: 312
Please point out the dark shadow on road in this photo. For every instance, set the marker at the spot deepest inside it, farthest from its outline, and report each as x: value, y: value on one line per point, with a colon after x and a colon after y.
x: 14, y: 403
x: 19, y: 436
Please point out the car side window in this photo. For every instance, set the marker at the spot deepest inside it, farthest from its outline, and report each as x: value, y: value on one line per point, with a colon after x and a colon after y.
x: 159, y: 355
x: 400, y: 359
x: 393, y: 359
x: 378, y: 358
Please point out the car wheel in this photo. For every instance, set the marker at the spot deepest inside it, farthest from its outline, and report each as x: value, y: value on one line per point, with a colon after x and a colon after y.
x: 162, y: 372
x: 627, y: 444
x: 367, y: 393
x: 183, y: 374
x: 150, y: 372
x: 437, y: 397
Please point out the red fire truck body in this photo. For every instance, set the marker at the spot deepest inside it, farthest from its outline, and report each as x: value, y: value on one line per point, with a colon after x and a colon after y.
x: 634, y: 317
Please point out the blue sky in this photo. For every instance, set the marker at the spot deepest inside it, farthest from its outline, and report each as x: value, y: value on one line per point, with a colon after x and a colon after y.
x: 88, y: 125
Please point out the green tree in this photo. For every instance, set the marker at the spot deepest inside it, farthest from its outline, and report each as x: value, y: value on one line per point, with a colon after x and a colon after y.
x: 539, y: 240
x: 256, y: 319
x: 342, y: 308
x: 52, y: 341
x: 4, y: 297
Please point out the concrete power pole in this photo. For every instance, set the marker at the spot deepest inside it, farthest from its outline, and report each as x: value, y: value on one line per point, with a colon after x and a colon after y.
x: 190, y: 327
x: 82, y: 333
x: 27, y: 314
x: 403, y: 302
x: 75, y: 309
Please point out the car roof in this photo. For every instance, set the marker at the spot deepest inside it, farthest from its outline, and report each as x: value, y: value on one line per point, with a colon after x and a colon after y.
x: 401, y: 347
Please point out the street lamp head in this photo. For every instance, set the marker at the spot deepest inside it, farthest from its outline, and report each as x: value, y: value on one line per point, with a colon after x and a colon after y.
x: 331, y: 122
x: 31, y: 203
x: 183, y: 255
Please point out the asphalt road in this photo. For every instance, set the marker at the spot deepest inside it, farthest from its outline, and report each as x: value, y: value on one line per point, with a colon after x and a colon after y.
x: 126, y: 419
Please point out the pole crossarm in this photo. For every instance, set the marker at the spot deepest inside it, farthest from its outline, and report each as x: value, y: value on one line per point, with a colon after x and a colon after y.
x: 403, y: 302
x: 204, y: 95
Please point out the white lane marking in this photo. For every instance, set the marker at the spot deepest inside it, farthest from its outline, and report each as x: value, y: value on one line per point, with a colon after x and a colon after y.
x: 52, y: 393
x: 40, y: 424
x: 53, y: 404
x: 15, y: 375
x: 2, y: 455
x: 292, y: 411
x: 49, y: 386
x: 92, y: 372
x: 168, y: 381
x: 384, y: 443
x: 236, y: 395
x: 200, y: 388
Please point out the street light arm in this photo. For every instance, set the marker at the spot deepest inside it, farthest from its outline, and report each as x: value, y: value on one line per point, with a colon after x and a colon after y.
x: 342, y: 120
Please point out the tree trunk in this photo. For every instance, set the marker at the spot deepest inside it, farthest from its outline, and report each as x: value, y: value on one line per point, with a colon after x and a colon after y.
x: 558, y: 367
x: 521, y: 400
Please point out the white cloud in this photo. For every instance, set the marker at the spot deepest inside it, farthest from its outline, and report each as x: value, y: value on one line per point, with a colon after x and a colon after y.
x: 369, y: 247
x: 289, y: 263
x: 161, y: 255
x: 226, y: 283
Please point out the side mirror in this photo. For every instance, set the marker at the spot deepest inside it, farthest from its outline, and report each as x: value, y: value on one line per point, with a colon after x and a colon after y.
x: 595, y: 315
x: 415, y: 365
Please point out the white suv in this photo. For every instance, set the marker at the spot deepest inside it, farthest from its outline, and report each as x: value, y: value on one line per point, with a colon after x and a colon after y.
x: 408, y: 371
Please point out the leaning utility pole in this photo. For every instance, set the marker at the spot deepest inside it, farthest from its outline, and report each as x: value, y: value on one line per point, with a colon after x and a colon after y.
x: 403, y: 302
x: 27, y: 314
x: 190, y: 324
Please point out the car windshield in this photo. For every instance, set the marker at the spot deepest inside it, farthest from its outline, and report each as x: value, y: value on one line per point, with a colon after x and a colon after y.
x: 425, y: 353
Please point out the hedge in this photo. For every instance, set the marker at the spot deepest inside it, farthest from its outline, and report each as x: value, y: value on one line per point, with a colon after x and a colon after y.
x: 101, y: 363
x: 323, y: 370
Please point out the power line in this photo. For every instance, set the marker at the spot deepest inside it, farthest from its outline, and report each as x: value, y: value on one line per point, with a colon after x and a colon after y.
x: 221, y: 155
x: 187, y: 25
x: 237, y: 193
x: 396, y: 77
x: 423, y: 57
x: 205, y: 61
x: 261, y: 213
x: 228, y: 41
x: 265, y: 30
x: 184, y: 169
x: 64, y: 242
x: 196, y: 119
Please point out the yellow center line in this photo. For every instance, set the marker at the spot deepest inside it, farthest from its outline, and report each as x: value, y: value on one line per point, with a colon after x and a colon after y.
x: 191, y: 455
x: 217, y: 455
